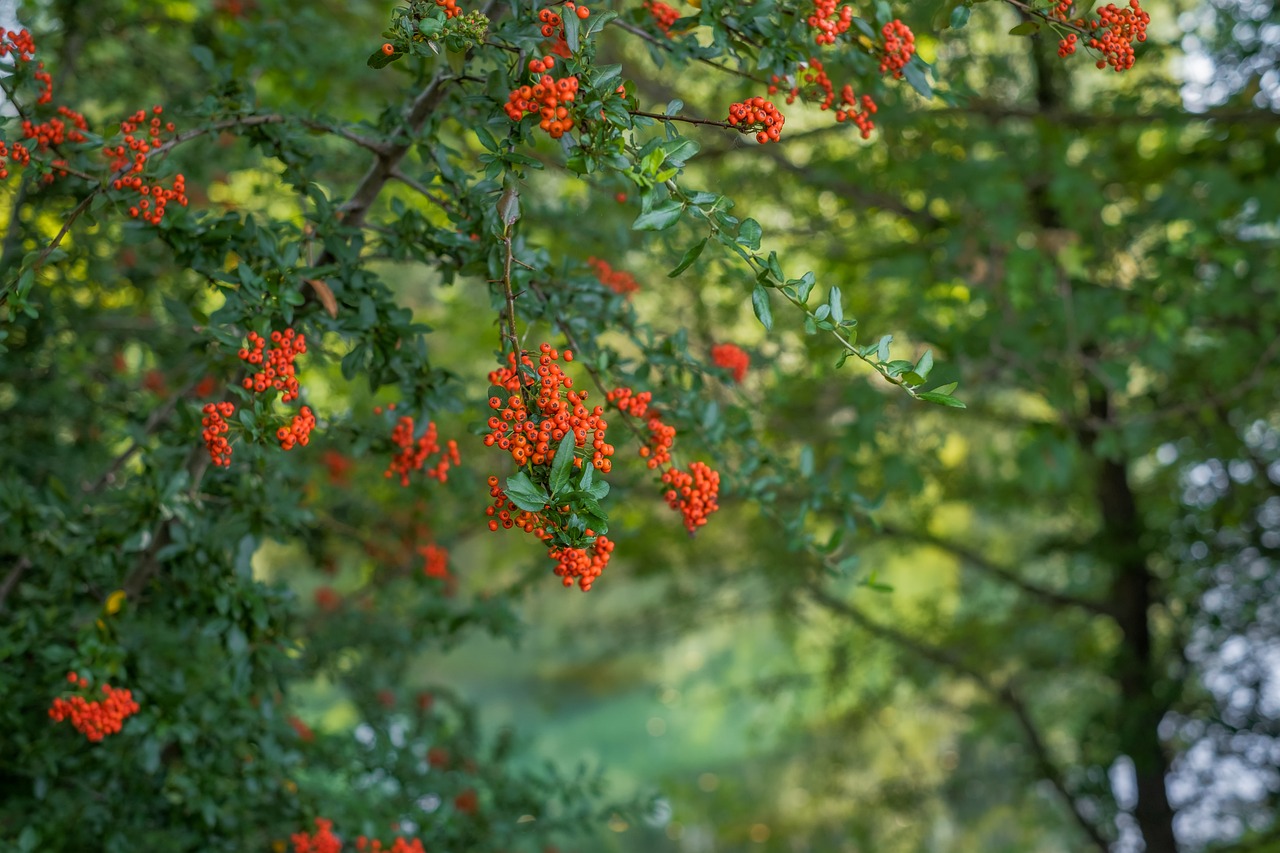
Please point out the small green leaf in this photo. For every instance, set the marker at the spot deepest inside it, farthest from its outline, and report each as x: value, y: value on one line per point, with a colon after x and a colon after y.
x: 663, y: 216
x: 882, y: 348
x: 760, y: 304
x: 562, y: 464
x: 925, y: 364
x: 959, y: 17
x: 1026, y: 28
x: 689, y: 257
x: 588, y: 472
x: 572, y: 26
x: 378, y: 59
x: 522, y: 492
x: 749, y: 234
x: 941, y: 399
x: 946, y: 389
x: 837, y: 310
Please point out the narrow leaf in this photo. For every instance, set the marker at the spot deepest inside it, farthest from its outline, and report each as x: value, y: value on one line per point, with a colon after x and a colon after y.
x: 760, y: 304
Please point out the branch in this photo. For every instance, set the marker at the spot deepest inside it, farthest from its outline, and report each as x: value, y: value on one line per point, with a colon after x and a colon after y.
x: 12, y: 578
x: 1002, y: 694
x: 1003, y: 573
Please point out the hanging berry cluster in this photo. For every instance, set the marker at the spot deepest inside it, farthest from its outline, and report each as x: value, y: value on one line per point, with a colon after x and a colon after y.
x: 857, y: 110
x: 142, y: 138
x: 759, y: 116
x: 277, y: 363
x: 98, y: 718
x: 899, y: 46
x: 435, y: 561
x: 828, y: 22
x: 619, y: 281
x: 692, y: 493
x: 657, y: 450
x: 530, y: 432
x: 322, y: 841
x: 67, y: 126
x: 547, y: 97
x: 1117, y: 28
x: 812, y: 84
x: 215, y: 430
x: 663, y: 15
x: 414, y: 454
x: 732, y: 357
x: 298, y: 431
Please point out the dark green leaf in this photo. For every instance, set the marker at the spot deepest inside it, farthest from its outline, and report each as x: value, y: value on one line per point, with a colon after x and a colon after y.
x: 760, y: 304
x: 690, y: 255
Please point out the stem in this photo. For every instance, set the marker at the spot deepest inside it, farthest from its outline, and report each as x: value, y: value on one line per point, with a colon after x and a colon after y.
x: 686, y: 119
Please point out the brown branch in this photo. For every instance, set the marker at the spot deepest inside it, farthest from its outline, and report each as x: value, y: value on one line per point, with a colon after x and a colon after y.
x: 11, y: 579
x: 995, y: 570
x: 1002, y: 694
x: 686, y: 119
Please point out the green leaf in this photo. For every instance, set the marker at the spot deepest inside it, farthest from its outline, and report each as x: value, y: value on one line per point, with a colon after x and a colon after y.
x: 941, y: 399
x: 760, y: 304
x: 882, y: 348
x: 680, y: 150
x: 572, y: 26
x: 1026, y: 28
x: 837, y: 310
x: 946, y: 389
x: 562, y: 464
x: 661, y: 217
x: 588, y: 472
x: 378, y: 59
x: 924, y: 365
x: 804, y: 286
x: 690, y: 256
x: 749, y: 234
x: 527, y: 496
x: 913, y: 73
x: 959, y: 17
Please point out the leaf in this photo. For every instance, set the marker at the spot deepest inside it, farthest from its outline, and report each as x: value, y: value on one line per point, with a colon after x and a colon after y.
x: 760, y: 304
x: 680, y: 150
x: 882, y: 348
x: 749, y: 234
x: 588, y: 472
x: 804, y: 286
x: 325, y: 295
x: 946, y: 389
x: 1026, y: 28
x: 690, y: 256
x: 663, y: 216
x: 562, y: 464
x: 959, y: 17
x: 924, y: 365
x: 522, y: 492
x: 509, y: 206
x: 914, y: 74
x: 837, y: 310
x: 378, y: 59
x: 114, y: 602
x: 941, y: 399
x: 572, y: 26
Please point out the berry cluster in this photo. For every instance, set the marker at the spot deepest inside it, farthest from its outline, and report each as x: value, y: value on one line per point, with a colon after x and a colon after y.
x: 657, y: 450
x: 19, y: 43
x: 732, y: 357
x: 1117, y: 28
x: 450, y: 7
x: 278, y: 372
x: 618, y: 281
x: 828, y: 22
x: 327, y: 599
x: 548, y: 97
x: 663, y: 15
x: 215, y: 426
x: 899, y: 45
x: 693, y: 493
x: 141, y: 139
x: 848, y: 109
x: 400, y: 845
x: 45, y: 134
x: 582, y: 565
x: 532, y: 433
x: 757, y: 114
x: 96, y: 719
x: 436, y: 561
x: 413, y: 453
x: 323, y: 841
x: 298, y: 431
x: 812, y: 84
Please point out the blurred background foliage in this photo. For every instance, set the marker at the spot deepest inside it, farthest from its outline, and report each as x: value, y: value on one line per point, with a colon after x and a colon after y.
x: 1045, y: 623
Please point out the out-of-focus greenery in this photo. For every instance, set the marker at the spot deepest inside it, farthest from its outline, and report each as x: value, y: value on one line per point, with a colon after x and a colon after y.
x: 1046, y: 622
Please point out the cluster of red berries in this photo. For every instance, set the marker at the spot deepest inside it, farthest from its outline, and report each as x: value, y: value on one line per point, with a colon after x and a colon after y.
x: 323, y: 841
x: 141, y: 139
x: 553, y: 26
x: 400, y: 845
x: 54, y: 131
x: 19, y: 155
x: 96, y: 719
x: 215, y: 427
x: 1067, y: 46
x: 657, y: 450
x: 18, y: 42
x: 298, y: 431
x: 899, y: 45
x: 732, y: 357
x: 813, y: 79
x: 45, y: 134
x: 435, y: 561
x: 582, y: 565
x: 757, y: 114
x: 450, y: 7
x: 828, y: 22
x: 278, y: 371
x: 618, y: 281
x: 413, y: 453
x: 849, y: 109
x: 663, y: 15
x: 693, y: 493
x: 531, y: 435
x: 327, y: 599
x: 338, y: 467
x: 1117, y: 29
x: 548, y: 97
